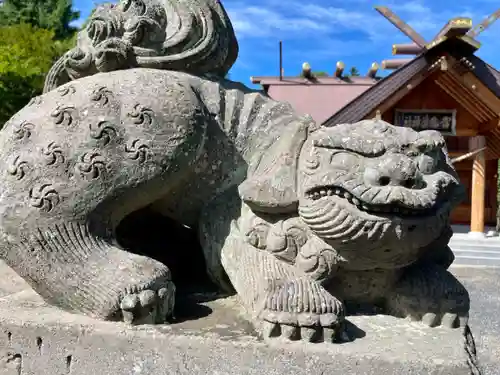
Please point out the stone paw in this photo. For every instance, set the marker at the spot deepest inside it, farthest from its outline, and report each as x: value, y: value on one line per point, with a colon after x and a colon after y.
x: 302, y: 310
x: 446, y: 320
x: 432, y: 295
x: 328, y: 329
x: 148, y: 306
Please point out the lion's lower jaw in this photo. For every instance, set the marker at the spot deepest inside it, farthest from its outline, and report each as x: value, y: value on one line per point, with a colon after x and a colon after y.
x: 344, y: 228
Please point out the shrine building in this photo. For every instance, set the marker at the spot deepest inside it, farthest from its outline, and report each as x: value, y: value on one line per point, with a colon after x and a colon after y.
x: 443, y: 86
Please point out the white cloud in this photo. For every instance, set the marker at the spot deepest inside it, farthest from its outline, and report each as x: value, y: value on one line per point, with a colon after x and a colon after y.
x: 250, y: 21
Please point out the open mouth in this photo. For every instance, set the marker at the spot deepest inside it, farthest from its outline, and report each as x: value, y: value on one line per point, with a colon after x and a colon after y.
x: 374, y: 209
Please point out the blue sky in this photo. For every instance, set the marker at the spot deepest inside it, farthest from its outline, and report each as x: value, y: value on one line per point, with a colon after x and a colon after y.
x: 322, y: 32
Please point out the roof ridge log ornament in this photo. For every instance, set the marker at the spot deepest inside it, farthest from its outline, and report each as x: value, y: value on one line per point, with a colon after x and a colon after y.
x: 458, y: 28
x: 194, y: 36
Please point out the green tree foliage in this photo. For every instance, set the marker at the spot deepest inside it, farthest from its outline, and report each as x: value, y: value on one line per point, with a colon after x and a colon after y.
x: 320, y: 74
x: 55, y: 15
x: 353, y: 72
x: 26, y: 55
x: 315, y: 74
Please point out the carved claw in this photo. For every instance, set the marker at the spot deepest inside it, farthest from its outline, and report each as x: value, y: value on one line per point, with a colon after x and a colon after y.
x: 148, y: 306
x: 430, y: 295
x: 447, y: 320
x: 315, y: 334
x: 302, y: 310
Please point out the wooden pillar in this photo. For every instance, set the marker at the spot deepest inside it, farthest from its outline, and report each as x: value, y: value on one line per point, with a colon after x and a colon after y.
x: 478, y: 185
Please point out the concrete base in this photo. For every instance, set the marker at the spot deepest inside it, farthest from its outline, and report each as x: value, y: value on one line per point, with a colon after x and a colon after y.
x: 476, y: 235
x: 37, y: 339
x: 492, y: 233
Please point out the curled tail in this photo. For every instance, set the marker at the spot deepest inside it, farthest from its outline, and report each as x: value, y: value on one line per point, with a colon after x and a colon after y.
x: 188, y: 36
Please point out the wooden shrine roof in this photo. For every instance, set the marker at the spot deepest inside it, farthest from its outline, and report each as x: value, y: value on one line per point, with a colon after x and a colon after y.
x: 371, y: 99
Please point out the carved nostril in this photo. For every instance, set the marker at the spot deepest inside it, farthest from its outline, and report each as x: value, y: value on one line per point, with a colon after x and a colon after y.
x: 409, y: 183
x: 384, y: 180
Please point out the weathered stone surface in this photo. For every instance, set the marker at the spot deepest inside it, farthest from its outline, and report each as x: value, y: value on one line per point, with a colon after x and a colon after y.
x: 483, y: 284
x: 37, y: 339
x: 308, y: 224
x: 190, y: 36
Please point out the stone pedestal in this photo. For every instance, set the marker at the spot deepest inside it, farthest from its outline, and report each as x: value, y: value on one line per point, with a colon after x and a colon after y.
x: 36, y: 339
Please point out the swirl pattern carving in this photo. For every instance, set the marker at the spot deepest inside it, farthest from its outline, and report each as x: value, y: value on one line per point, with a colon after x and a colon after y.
x: 101, y: 95
x: 142, y: 115
x: 285, y: 238
x: 53, y: 154
x: 137, y: 150
x: 257, y: 235
x: 44, y: 197
x: 317, y: 259
x: 106, y: 23
x: 64, y: 115
x: 18, y: 168
x: 104, y: 131
x: 23, y: 130
x: 91, y: 165
x: 68, y: 89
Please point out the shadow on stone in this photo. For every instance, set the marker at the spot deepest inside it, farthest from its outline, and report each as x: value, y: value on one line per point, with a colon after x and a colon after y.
x: 353, y: 332
x: 149, y: 233
x: 190, y: 309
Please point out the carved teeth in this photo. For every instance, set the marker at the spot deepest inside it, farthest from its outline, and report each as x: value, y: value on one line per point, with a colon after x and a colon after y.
x: 379, y: 209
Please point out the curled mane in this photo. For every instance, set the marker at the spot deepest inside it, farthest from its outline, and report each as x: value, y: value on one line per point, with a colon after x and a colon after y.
x: 193, y: 36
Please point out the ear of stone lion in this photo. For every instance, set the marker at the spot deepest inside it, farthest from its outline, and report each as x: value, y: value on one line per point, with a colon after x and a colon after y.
x: 271, y: 186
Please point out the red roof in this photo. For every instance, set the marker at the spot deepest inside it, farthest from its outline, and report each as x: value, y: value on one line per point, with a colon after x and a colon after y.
x: 319, y: 98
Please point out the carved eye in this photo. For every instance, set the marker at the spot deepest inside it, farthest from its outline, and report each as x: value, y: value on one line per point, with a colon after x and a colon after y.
x: 345, y: 160
x: 427, y: 164
x: 312, y: 162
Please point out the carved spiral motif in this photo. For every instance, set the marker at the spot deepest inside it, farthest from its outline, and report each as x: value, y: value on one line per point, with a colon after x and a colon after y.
x: 137, y: 150
x: 285, y: 239
x: 69, y: 89
x: 138, y: 7
x: 53, y: 154
x: 139, y: 32
x: 101, y: 95
x: 113, y: 54
x: 23, y: 130
x: 18, y: 168
x: 257, y: 235
x: 142, y: 115
x: 77, y: 64
x: 178, y: 35
x: 105, y: 23
x: 64, y: 115
x: 91, y: 165
x: 44, y: 197
x: 317, y: 259
x: 103, y: 130
x: 312, y: 162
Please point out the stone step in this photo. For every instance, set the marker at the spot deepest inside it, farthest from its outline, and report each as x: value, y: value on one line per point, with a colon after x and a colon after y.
x: 475, y: 241
x: 475, y: 262
x: 476, y: 255
x: 474, y: 246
